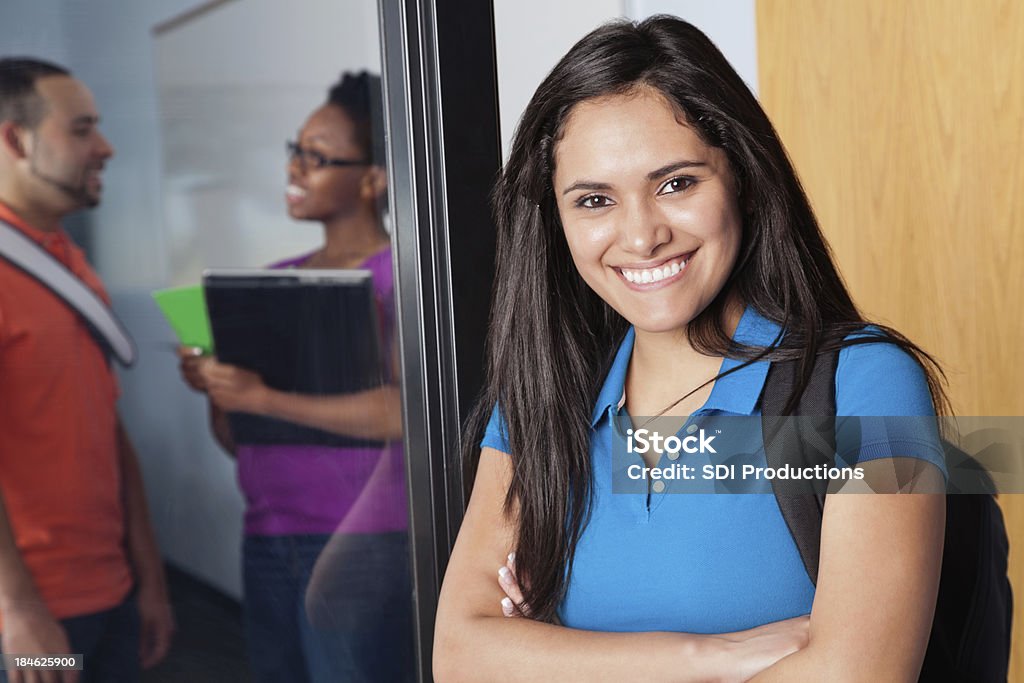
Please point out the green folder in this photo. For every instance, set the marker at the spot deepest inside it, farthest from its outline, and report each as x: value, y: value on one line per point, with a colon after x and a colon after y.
x: 185, y: 310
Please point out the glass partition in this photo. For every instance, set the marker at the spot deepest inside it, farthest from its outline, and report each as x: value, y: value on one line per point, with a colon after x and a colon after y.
x: 299, y: 182
x: 274, y: 163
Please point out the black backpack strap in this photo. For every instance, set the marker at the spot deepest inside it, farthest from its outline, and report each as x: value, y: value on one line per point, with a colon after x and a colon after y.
x: 970, y: 638
x: 807, y: 443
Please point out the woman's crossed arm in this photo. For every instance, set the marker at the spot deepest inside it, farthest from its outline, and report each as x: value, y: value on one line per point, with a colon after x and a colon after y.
x: 473, y: 641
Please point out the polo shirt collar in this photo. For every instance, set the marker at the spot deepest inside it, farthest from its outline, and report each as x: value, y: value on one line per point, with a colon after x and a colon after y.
x: 611, y: 393
x: 737, y: 392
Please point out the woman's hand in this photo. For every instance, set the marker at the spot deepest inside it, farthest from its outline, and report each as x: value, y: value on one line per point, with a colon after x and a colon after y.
x: 234, y: 389
x: 512, y: 605
x: 754, y: 650
x: 190, y: 360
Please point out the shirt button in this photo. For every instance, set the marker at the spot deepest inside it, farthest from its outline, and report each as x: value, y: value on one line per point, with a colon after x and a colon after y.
x: 673, y: 455
x: 658, y: 486
x: 691, y: 429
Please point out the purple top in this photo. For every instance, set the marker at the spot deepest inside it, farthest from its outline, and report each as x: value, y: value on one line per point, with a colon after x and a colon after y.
x: 306, y: 489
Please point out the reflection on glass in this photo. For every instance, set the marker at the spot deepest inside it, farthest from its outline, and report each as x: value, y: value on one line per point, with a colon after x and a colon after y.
x: 325, y: 555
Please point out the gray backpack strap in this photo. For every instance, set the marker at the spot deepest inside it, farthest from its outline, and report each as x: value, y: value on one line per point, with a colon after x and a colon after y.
x: 104, y: 326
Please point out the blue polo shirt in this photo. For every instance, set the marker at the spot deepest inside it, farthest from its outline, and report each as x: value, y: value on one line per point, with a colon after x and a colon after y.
x: 716, y: 563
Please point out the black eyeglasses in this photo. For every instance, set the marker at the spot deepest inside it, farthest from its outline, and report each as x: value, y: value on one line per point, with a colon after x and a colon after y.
x: 309, y: 158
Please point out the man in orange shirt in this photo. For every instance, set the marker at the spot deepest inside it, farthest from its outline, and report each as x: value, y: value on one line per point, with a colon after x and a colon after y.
x: 80, y: 571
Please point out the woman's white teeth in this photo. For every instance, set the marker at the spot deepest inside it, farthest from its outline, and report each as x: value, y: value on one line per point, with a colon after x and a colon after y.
x: 294, y: 191
x: 654, y: 274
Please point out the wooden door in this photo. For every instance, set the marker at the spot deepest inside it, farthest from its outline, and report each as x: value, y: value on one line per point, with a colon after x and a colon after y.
x: 905, y: 121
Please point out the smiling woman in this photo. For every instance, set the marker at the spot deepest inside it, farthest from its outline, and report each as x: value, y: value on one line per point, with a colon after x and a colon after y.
x: 656, y: 254
x: 657, y: 213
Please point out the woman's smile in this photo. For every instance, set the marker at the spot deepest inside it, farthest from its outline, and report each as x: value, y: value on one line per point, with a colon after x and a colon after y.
x: 645, y: 278
x: 294, y: 194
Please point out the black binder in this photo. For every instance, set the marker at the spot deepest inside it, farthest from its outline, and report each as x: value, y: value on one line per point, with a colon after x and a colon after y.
x: 303, y: 331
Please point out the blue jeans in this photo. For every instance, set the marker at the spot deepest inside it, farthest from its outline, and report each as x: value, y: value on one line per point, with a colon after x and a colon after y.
x: 109, y: 641
x: 362, y: 626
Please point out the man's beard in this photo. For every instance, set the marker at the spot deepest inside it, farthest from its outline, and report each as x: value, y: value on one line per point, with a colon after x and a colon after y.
x: 79, y: 193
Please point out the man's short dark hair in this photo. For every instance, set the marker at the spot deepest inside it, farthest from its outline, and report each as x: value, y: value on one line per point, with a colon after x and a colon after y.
x: 20, y: 102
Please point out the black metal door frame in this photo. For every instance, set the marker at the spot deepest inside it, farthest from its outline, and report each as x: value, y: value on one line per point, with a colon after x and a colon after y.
x: 440, y: 85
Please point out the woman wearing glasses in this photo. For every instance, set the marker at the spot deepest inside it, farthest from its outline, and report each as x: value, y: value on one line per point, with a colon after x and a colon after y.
x: 301, y: 499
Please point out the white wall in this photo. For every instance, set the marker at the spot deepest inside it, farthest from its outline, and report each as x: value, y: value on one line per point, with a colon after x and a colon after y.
x: 731, y: 25
x: 532, y: 35
x: 109, y: 48
x: 32, y: 28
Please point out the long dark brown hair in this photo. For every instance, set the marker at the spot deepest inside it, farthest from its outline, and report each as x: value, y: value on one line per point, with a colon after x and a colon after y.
x: 551, y: 338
